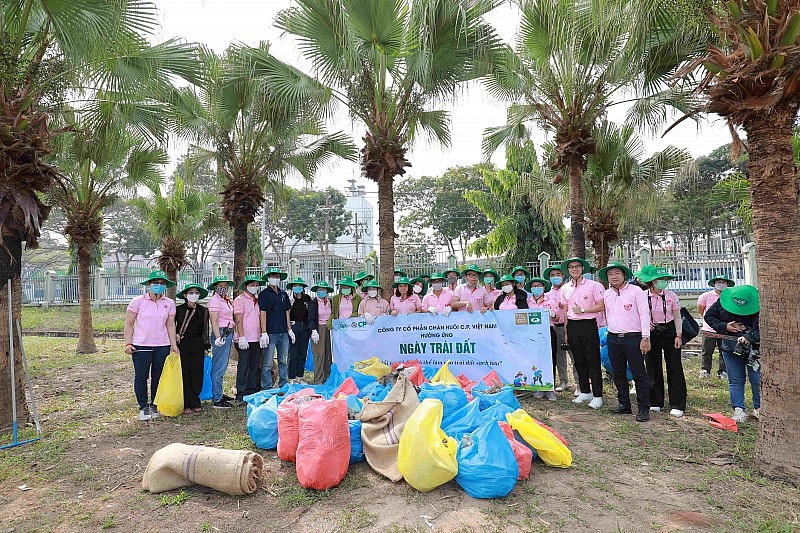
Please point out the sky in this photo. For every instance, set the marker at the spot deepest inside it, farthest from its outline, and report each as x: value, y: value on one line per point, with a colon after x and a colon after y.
x: 217, y: 23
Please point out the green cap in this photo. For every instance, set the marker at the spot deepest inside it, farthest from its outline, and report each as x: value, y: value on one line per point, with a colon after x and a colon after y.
x: 507, y: 277
x: 322, y: 285
x: 471, y: 268
x: 740, y: 300
x: 603, y: 274
x: 296, y: 281
x: 347, y: 281
x: 453, y: 270
x: 730, y: 282
x: 182, y: 294
x: 218, y: 279
x: 275, y: 270
x: 550, y: 270
x: 403, y: 280
x: 158, y: 274
x: 587, y: 268
x: 649, y: 274
x: 363, y: 275
x: 545, y: 282
x: 437, y: 275
x: 522, y: 268
x: 250, y: 278
x: 371, y: 284
x: 493, y: 272
x: 401, y: 273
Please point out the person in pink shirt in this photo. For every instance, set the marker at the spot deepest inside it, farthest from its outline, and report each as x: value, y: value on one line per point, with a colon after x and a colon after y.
x: 665, y: 334
x: 419, y: 287
x: 372, y: 304
x: 556, y: 279
x: 625, y: 306
x: 704, y: 303
x: 439, y: 297
x: 538, y: 289
x: 247, y: 316
x: 404, y: 301
x: 149, y: 334
x: 220, y: 308
x: 470, y: 296
x: 452, y: 276
x: 576, y: 296
x: 491, y: 279
x: 319, y: 311
x: 511, y: 296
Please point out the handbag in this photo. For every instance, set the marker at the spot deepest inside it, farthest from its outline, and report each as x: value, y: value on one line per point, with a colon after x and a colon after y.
x: 690, y: 327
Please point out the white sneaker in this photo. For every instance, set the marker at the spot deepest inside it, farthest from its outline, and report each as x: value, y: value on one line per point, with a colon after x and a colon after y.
x: 551, y: 396
x: 144, y: 414
x: 723, y: 376
x: 757, y: 414
x: 154, y: 412
x: 676, y: 413
x: 576, y: 393
x: 704, y: 374
x: 561, y: 388
x: 596, y: 403
x: 583, y: 398
x: 739, y: 415
x: 632, y: 392
x: 655, y: 409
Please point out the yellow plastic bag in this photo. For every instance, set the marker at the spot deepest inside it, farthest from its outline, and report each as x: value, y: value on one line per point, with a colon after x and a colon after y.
x: 372, y: 367
x: 550, y: 449
x: 445, y: 377
x: 427, y: 456
x: 169, y: 396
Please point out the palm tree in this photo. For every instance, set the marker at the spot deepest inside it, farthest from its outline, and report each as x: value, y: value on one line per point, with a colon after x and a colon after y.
x: 96, y: 172
x: 173, y: 220
x: 255, y: 137
x: 388, y: 62
x: 53, y: 50
x: 572, y: 60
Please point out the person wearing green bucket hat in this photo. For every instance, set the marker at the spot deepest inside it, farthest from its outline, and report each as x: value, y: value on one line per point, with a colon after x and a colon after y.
x: 521, y: 275
x: 511, y: 296
x: 248, y: 332
x: 538, y: 289
x: 319, y: 312
x: 419, y: 287
x: 491, y: 284
x: 666, y: 329
x: 704, y: 303
x: 581, y: 335
x: 404, y: 301
x: 149, y: 334
x: 276, y: 328
x: 362, y: 277
x: 192, y: 334
x: 556, y: 278
x: 302, y: 326
x: 439, y: 297
x: 735, y: 316
x: 220, y: 309
x: 452, y: 276
x: 345, y: 304
x: 399, y: 273
x: 470, y: 296
x: 373, y: 304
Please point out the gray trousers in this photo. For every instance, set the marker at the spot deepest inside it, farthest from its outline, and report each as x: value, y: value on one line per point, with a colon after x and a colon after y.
x: 561, y: 359
x: 323, y: 359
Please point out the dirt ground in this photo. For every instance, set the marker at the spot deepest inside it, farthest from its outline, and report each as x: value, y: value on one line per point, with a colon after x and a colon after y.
x: 85, y: 473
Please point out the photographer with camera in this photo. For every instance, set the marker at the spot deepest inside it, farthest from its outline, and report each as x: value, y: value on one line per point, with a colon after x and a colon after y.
x: 735, y: 317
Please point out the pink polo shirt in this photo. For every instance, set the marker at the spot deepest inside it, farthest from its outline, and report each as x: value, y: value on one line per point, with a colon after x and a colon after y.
x: 346, y: 306
x: 586, y: 293
x: 657, y: 307
x: 374, y: 306
x: 439, y: 302
x: 405, y: 306
x: 324, y: 310
x: 476, y: 297
x: 627, y: 311
x: 554, y: 295
x: 491, y: 297
x: 224, y: 307
x: 706, y: 300
x: 543, y: 302
x: 509, y: 302
x: 246, y: 306
x: 150, y: 327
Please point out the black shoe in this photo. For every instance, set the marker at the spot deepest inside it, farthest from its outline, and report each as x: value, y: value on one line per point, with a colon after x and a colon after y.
x: 222, y: 404
x: 622, y: 410
x: 226, y: 398
x: 643, y: 416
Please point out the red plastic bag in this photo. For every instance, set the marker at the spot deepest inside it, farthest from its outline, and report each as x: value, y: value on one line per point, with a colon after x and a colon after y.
x: 523, y: 454
x: 492, y: 379
x: 288, y: 423
x: 553, y: 431
x: 323, y: 453
x: 413, y: 371
x: 347, y: 388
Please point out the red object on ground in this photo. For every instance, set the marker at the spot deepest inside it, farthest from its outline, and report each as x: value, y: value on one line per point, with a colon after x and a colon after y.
x: 718, y: 420
x: 523, y: 454
x: 347, y: 387
x: 288, y: 423
x: 417, y: 377
x: 323, y: 453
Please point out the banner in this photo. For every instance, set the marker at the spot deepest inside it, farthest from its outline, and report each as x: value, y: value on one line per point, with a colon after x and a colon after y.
x: 515, y: 344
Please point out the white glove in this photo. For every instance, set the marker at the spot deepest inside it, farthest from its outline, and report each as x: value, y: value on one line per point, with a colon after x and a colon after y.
x: 291, y: 336
x: 370, y: 318
x: 219, y: 342
x: 315, y: 336
x: 433, y: 310
x: 264, y: 340
x: 446, y: 310
x: 243, y: 344
x: 552, y: 314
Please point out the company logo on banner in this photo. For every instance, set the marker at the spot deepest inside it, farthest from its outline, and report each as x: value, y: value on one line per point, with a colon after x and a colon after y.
x: 515, y: 344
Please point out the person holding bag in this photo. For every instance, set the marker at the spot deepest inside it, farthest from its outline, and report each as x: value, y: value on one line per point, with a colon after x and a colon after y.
x: 319, y: 311
x: 192, y: 335
x: 248, y: 330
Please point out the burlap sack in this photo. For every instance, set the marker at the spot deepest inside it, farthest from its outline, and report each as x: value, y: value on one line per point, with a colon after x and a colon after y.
x: 233, y: 472
x: 382, y: 424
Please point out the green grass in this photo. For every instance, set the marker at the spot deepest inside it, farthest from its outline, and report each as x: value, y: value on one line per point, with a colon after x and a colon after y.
x: 107, y: 319
x: 168, y: 500
x: 356, y: 519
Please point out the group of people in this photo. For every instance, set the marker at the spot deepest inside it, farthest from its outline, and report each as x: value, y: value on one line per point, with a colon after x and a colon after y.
x: 643, y: 319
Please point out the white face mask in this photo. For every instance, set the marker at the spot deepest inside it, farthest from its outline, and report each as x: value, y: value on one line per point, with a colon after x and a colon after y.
x: 417, y: 289
x: 507, y: 288
x: 436, y: 286
x: 253, y: 290
x: 193, y: 297
x: 274, y: 282
x: 720, y: 286
x: 372, y: 293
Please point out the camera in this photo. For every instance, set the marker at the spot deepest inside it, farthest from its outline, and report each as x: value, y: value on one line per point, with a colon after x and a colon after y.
x: 741, y: 350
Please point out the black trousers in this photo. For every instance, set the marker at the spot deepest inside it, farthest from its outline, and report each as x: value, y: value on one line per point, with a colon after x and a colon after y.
x: 663, y: 346
x: 624, y: 352
x: 553, y: 350
x: 707, y: 356
x: 298, y: 351
x: 584, y: 342
x: 248, y: 373
x: 192, y: 358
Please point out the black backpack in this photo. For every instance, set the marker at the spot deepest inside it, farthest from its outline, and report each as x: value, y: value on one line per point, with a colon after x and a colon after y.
x: 690, y: 328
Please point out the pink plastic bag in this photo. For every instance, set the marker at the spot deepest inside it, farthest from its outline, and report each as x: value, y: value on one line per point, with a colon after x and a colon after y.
x: 288, y: 422
x: 523, y: 454
x: 347, y: 387
x: 415, y: 375
x: 323, y: 453
x: 492, y: 379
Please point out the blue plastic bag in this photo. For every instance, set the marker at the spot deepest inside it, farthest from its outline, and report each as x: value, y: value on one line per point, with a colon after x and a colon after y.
x: 334, y: 379
x: 496, y: 412
x: 374, y: 392
x: 262, y: 425
x: 354, y: 405
x: 362, y: 380
x: 452, y: 397
x: 205, y: 392
x: 464, y: 420
x: 356, y: 447
x: 605, y: 359
x: 309, y: 360
x: 506, y: 396
x: 487, y: 466
x: 429, y: 372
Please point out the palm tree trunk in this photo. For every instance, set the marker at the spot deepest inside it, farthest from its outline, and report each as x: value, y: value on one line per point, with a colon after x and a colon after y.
x: 776, y: 223
x: 239, y: 249
x: 603, y: 251
x: 10, y: 270
x: 578, y: 237
x: 85, y: 331
x: 386, y: 230
x: 172, y: 274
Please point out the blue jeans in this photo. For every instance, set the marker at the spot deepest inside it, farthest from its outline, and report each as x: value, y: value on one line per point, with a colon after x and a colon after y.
x: 147, y: 360
x: 279, y: 342
x: 219, y: 362
x: 737, y: 371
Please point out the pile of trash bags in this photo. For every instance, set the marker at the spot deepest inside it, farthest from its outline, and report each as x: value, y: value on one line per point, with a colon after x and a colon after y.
x: 408, y: 421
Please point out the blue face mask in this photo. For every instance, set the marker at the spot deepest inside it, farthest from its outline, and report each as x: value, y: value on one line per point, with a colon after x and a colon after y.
x: 322, y: 294
x: 297, y: 289
x: 158, y: 289
x: 537, y: 291
x: 345, y: 292
x: 556, y: 280
x: 520, y: 279
x: 488, y: 280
